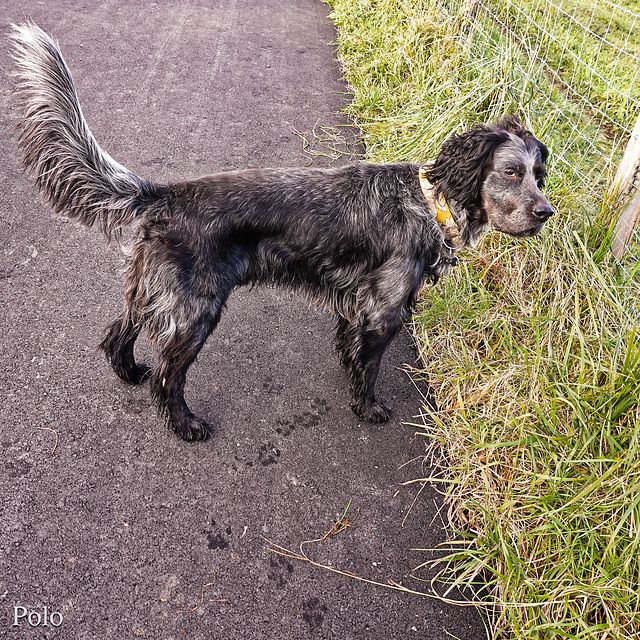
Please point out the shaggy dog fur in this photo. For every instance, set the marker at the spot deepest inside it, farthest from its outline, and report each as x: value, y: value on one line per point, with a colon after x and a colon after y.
x: 359, y: 240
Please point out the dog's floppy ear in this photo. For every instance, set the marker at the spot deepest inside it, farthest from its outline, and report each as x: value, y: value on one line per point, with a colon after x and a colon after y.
x: 458, y: 170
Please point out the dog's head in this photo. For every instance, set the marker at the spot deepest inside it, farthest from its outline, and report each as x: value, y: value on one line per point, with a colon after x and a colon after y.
x: 495, y: 173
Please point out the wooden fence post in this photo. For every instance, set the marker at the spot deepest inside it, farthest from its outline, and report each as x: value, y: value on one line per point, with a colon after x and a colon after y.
x: 624, y: 183
x: 469, y: 11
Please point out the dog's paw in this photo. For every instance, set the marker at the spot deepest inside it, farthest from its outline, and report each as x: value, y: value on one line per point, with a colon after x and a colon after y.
x: 191, y: 429
x: 372, y: 412
x: 136, y: 374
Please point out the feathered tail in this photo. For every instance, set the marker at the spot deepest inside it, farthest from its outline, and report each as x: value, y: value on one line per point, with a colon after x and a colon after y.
x: 80, y: 180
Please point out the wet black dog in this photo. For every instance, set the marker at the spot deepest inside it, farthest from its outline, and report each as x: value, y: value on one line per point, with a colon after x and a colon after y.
x: 359, y: 240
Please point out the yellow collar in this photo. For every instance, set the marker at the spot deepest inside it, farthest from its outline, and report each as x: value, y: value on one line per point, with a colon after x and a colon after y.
x: 443, y: 213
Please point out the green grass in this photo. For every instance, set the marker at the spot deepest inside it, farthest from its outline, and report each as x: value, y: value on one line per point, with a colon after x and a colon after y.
x: 587, y: 45
x: 539, y: 385
x: 530, y: 345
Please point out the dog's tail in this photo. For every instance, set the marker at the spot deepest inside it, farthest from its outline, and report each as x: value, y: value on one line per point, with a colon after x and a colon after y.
x: 80, y: 180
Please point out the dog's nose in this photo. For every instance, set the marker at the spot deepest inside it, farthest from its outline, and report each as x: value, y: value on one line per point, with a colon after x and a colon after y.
x: 543, y: 211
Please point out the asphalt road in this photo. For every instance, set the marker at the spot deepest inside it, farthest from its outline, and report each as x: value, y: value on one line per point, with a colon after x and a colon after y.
x: 124, y: 531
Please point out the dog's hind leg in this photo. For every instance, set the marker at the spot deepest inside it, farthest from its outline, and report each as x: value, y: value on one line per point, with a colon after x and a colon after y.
x: 118, y: 345
x: 177, y: 352
x: 121, y: 334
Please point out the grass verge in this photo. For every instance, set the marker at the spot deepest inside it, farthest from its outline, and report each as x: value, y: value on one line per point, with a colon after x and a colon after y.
x: 531, y: 346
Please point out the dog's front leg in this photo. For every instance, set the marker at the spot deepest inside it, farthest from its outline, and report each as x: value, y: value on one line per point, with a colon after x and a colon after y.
x: 386, y: 296
x: 361, y: 343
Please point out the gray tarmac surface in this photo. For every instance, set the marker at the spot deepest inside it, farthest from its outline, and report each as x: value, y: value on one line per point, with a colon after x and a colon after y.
x: 121, y: 527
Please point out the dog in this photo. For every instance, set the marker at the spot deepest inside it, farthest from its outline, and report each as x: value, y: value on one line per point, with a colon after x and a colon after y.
x: 359, y: 240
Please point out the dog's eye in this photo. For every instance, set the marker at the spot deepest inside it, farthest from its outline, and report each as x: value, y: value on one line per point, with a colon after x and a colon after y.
x: 512, y: 173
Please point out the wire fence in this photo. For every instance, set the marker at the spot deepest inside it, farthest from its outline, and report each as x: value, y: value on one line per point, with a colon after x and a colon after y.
x: 581, y: 63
